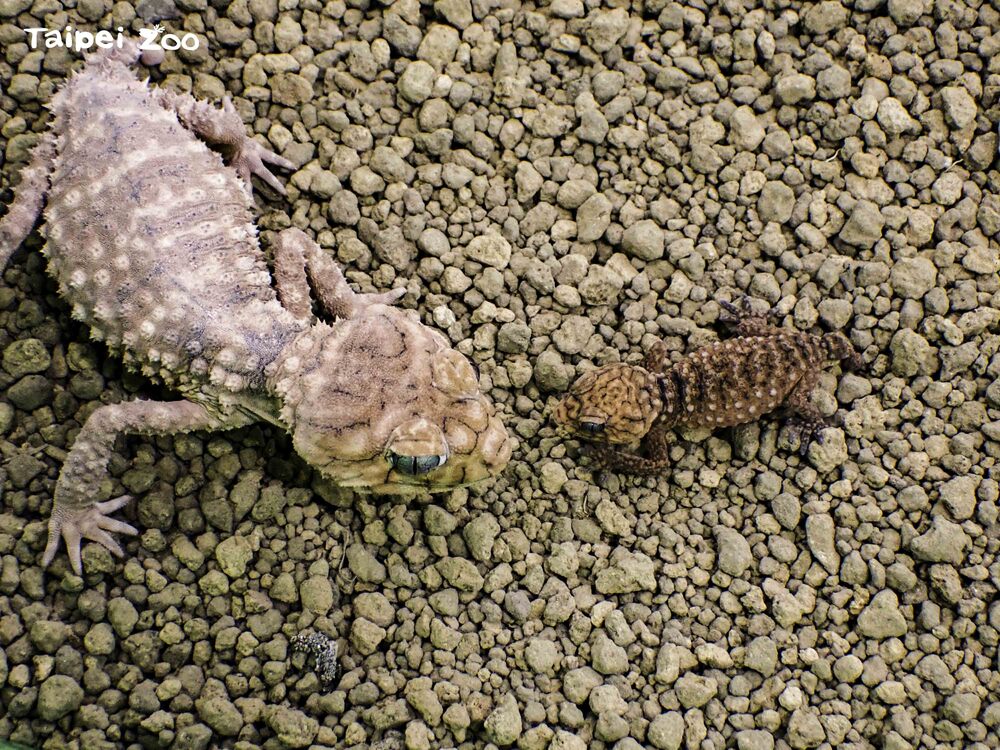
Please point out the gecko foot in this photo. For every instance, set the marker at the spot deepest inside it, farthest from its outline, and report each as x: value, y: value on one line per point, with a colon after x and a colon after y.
x: 806, y: 430
x: 383, y: 298
x: 614, y: 459
x: 734, y: 314
x: 251, y: 158
x: 76, y: 524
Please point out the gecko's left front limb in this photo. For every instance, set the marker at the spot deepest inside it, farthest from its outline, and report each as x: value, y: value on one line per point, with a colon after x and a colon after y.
x: 75, y: 514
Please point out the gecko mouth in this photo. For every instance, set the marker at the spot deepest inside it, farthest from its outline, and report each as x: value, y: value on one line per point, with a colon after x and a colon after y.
x: 415, y: 465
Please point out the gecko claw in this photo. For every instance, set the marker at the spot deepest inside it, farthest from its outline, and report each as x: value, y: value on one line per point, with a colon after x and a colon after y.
x: 250, y: 160
x: 93, y: 523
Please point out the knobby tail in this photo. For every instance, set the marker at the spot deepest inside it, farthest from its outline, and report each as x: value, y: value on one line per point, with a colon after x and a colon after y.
x: 29, y: 198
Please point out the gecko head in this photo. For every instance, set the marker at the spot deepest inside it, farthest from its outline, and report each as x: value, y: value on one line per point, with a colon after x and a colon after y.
x: 380, y: 402
x: 614, y: 404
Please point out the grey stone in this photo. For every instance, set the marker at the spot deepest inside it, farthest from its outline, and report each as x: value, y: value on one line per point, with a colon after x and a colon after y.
x: 959, y: 496
x: 754, y: 739
x: 694, y: 691
x: 894, y: 118
x: 734, y: 554
x: 820, y: 537
x: 666, y: 731
x: 644, y: 240
x: 364, y: 564
x: 830, y: 453
x: 295, y: 729
x: 912, y: 354
x: 959, y: 107
x: 233, y: 555
x: 316, y: 594
x: 881, y: 618
x: 578, y: 683
x: 607, y: 657
x: 503, y: 726
x: 489, y: 249
x: 863, y: 227
x: 601, y: 286
x: 366, y: 635
x: 58, y: 696
x: 794, y: 88
x: 745, y: 130
x: 605, y: 28
x: 776, y: 202
x: 26, y: 356
x: 944, y: 542
x: 593, y: 218
x: 907, y: 12
x: 479, y: 535
x: 628, y: 572
x: 461, y: 573
x: 417, y: 81
x: 761, y: 656
x: 825, y: 17
x: 913, y: 277
x: 805, y: 729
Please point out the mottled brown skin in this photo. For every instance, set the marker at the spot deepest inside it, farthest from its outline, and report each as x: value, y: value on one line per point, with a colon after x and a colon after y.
x: 727, y: 383
x: 151, y: 238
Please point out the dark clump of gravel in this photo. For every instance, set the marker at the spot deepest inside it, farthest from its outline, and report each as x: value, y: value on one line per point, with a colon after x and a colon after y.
x: 557, y: 186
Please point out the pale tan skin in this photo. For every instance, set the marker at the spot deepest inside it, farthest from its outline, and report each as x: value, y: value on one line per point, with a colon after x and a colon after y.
x: 150, y: 236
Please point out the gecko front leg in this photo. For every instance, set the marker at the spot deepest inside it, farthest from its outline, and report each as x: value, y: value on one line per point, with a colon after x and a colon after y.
x: 225, y: 129
x: 295, y: 255
x: 657, y: 456
x: 75, y: 514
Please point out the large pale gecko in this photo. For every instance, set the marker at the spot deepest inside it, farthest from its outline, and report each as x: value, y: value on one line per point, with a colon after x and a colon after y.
x: 150, y: 236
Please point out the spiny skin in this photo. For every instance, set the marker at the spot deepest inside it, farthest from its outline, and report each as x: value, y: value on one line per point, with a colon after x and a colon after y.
x: 719, y: 385
x: 150, y: 236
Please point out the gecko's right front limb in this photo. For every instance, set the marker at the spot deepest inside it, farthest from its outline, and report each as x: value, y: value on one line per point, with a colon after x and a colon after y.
x: 75, y: 514
x: 657, y: 456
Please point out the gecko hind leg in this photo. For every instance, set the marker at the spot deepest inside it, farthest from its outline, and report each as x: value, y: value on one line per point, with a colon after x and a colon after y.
x: 805, y: 421
x: 838, y: 347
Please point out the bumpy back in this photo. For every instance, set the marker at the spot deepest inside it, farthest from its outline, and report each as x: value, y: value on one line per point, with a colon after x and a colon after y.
x: 151, y: 237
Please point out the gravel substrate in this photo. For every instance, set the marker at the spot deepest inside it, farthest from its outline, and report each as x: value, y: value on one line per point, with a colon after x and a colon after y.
x: 557, y: 187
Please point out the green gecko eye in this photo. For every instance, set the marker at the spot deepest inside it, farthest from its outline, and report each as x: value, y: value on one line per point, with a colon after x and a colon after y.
x: 592, y: 427
x: 415, y: 465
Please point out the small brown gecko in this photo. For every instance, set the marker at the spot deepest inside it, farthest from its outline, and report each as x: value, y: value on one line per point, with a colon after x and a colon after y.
x: 723, y: 384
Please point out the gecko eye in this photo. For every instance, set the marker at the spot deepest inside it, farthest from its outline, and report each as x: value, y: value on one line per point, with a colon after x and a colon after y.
x: 592, y: 427
x: 414, y: 465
